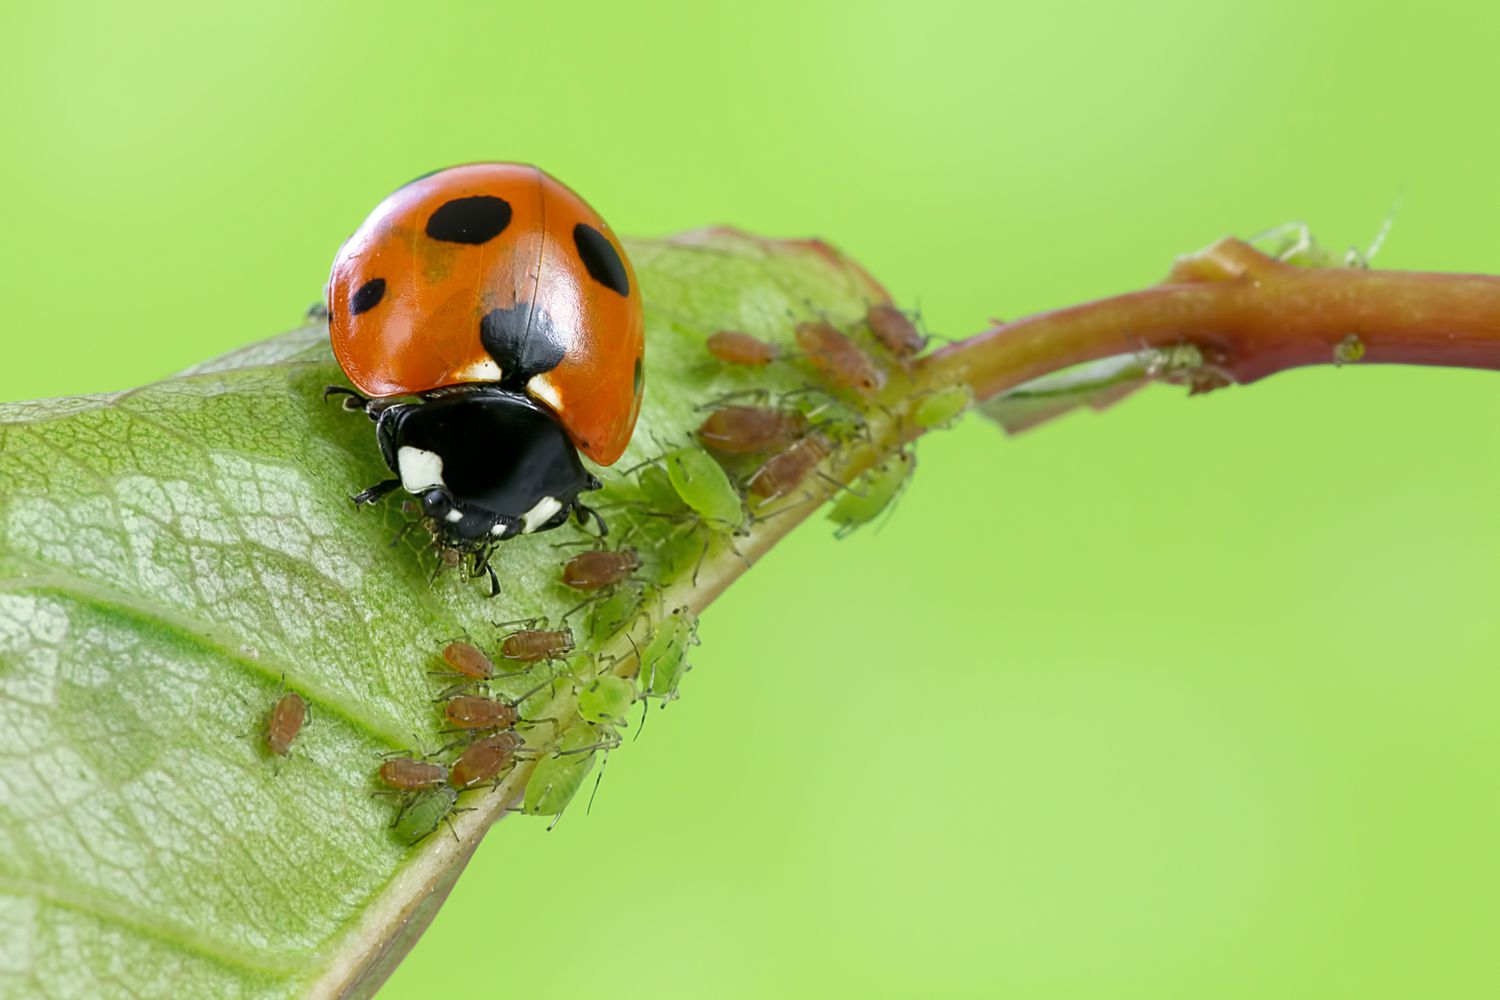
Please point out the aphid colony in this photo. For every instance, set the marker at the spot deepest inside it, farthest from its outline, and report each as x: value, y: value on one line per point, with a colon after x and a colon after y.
x: 534, y: 697
x: 559, y: 723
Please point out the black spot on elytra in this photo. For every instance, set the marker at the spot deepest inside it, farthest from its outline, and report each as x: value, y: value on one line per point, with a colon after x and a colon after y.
x: 367, y: 296
x: 522, y: 341
x: 474, y: 220
x: 639, y: 378
x: 599, y: 256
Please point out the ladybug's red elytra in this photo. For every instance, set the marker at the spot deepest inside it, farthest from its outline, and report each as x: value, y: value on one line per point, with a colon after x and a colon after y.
x: 505, y: 304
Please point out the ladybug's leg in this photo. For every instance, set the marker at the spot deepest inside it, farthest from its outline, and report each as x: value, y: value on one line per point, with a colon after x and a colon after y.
x: 357, y: 403
x: 375, y: 493
x: 483, y: 564
x: 353, y: 402
x: 583, y: 512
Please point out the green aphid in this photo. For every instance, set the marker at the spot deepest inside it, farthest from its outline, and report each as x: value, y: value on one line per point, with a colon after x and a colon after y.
x: 705, y: 487
x: 615, y: 611
x: 872, y: 493
x: 605, y: 699
x: 421, y: 814
x: 664, y: 659
x: 557, y: 777
x: 938, y: 409
x: 1349, y: 350
x: 657, y: 490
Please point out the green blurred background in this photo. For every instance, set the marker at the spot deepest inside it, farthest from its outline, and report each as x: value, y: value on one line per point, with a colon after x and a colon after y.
x: 1196, y: 698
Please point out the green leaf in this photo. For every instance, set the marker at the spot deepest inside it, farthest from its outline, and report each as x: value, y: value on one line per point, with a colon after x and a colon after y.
x: 172, y: 558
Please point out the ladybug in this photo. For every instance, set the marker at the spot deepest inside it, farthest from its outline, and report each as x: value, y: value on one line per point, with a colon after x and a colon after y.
x: 503, y: 303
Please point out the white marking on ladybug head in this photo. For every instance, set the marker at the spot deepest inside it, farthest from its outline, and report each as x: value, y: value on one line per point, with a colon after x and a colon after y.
x: 420, y: 470
x: 539, y: 515
x: 454, y: 516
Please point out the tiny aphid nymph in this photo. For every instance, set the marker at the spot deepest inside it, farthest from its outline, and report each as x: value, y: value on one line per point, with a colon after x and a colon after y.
x: 407, y: 774
x: 422, y: 813
x: 557, y: 777
x: 895, y: 331
x: 705, y: 487
x: 784, y: 472
x: 472, y: 711
x: 530, y: 645
x: 742, y: 430
x: 664, y: 660
x: 605, y: 699
x: 875, y: 491
x: 600, y: 568
x: 467, y: 659
x: 285, y: 723
x: 484, y: 759
x: 839, y: 359
x: 735, y: 348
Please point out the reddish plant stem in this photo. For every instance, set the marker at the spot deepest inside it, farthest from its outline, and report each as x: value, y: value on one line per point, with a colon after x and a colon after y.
x: 1250, y: 316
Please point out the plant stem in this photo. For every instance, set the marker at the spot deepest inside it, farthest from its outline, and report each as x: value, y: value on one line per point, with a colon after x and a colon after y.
x: 1250, y: 316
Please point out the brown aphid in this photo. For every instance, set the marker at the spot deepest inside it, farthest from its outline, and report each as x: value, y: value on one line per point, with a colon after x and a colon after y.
x: 895, y: 331
x: 285, y: 723
x: 784, y: 472
x: 472, y: 711
x: 484, y: 759
x: 735, y: 348
x: 530, y: 645
x: 600, y: 568
x: 407, y: 774
x: 740, y: 430
x: 467, y: 659
x: 839, y: 359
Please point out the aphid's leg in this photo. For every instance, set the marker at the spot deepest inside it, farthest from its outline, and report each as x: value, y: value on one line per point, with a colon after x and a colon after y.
x: 457, y: 687
x: 701, y: 557
x: 595, y: 596
x: 401, y: 533
x: 645, y: 713
x: 761, y: 518
x: 591, y: 542
x: 523, y: 622
x: 556, y: 724
x: 555, y: 819
x: 838, y: 485
x: 523, y: 696
x: 449, y: 820
x: 406, y: 800
x: 729, y: 541
x: 600, y: 777
x: 375, y: 493
x: 730, y: 397
x: 452, y: 744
